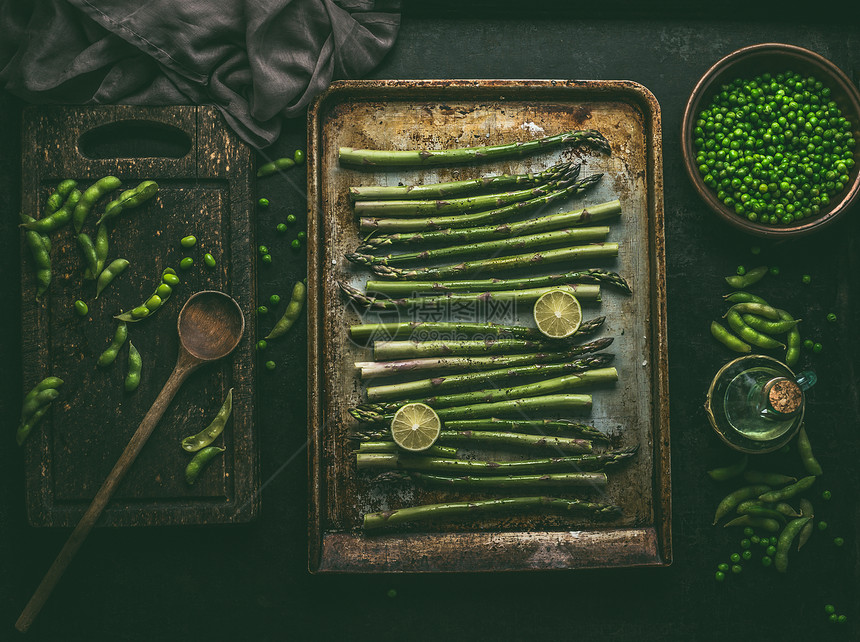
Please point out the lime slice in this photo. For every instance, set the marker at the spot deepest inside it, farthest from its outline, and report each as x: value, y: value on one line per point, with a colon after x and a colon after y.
x: 415, y: 427
x: 557, y: 314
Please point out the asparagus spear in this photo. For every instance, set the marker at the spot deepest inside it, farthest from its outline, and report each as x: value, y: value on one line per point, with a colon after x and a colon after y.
x: 455, y: 188
x: 411, y: 462
x: 500, y: 263
x: 542, y: 387
x: 571, y: 236
x: 390, y: 225
x: 540, y: 426
x: 395, y: 289
x: 391, y: 447
x: 457, y: 381
x: 458, y: 205
x: 371, y: 369
x: 529, y: 296
x: 583, y: 216
x: 439, y: 328
x: 543, y: 403
x: 590, y: 479
x: 448, y: 510
x: 386, y: 158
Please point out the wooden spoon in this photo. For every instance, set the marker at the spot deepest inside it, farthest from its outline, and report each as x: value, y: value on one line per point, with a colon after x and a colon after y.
x: 210, y: 326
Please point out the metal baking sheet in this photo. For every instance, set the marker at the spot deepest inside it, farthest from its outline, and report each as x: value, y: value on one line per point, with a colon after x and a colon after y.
x: 446, y: 114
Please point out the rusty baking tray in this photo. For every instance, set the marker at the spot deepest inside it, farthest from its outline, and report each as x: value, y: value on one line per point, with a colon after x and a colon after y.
x: 438, y: 114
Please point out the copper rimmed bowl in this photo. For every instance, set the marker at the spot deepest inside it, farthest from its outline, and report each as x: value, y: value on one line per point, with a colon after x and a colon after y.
x: 749, y: 62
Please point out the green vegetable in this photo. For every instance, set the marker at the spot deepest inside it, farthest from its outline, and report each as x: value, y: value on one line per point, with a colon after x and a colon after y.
x: 35, y: 405
x: 741, y: 270
x: 135, y: 366
x: 817, y: 347
x: 302, y: 235
x: 199, y: 462
x: 480, y: 482
x: 822, y: 525
x: 274, y: 300
x: 806, y: 279
x: 81, y: 308
x: 271, y: 365
x: 263, y: 203
x: 723, y: 567
x: 129, y: 199
x: 728, y: 339
x: 299, y: 156
x: 40, y: 247
x: 93, y: 193
x: 749, y: 278
x: 787, y: 536
x: 771, y: 479
x: 266, y: 259
x: 831, y: 317
x: 261, y: 345
x: 188, y: 241
x: 730, y: 501
x: 291, y: 218
x: 272, y: 167
x: 539, y: 426
x: 737, y: 568
x: 109, y: 355
x: 169, y: 277
x: 770, y: 525
x: 826, y: 495
x: 789, y: 491
x: 216, y: 427
x: 154, y: 302
x: 369, y: 157
x: 55, y: 220
x: 774, y: 271
x: 296, y: 244
x: 88, y: 250
x: 282, y: 227
x: 291, y: 314
x: 766, y: 560
x: 186, y: 263
x: 209, y: 260
x: 262, y: 310
x: 804, y: 448
x: 838, y: 541
x: 745, y: 332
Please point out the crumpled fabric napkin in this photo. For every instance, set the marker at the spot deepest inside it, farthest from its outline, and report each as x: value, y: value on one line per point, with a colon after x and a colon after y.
x: 257, y: 60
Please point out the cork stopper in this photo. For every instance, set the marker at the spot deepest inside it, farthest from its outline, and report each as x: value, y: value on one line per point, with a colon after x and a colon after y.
x: 784, y: 396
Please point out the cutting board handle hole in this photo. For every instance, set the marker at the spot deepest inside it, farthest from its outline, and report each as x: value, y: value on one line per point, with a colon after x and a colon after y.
x: 134, y: 139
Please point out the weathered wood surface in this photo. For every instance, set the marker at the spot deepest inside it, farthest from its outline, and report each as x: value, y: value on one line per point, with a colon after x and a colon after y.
x: 205, y: 192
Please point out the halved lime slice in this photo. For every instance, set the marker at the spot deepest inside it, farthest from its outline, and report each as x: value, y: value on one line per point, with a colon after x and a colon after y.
x: 557, y: 314
x: 415, y: 427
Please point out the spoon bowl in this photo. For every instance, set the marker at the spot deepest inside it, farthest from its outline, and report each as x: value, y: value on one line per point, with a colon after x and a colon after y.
x: 210, y: 325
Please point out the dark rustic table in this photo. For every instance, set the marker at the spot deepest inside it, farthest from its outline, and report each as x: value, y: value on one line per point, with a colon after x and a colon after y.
x: 251, y: 581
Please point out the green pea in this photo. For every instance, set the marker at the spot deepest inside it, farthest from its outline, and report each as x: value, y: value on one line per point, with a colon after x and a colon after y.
x: 263, y: 203
x: 833, y: 618
x: 755, y: 539
x: 735, y: 557
x: 771, y: 550
x: 842, y: 619
x: 266, y: 259
x: 199, y: 462
x: 826, y: 495
x: 766, y: 560
x: 209, y: 260
x: 745, y: 543
x: 296, y: 244
x: 741, y: 270
x: 719, y: 576
x: 748, y: 532
x: 170, y: 278
x: 299, y: 156
x: 736, y: 568
x: 282, y: 228
x: 808, y: 344
x: 163, y: 291
x: 838, y: 541
x: 806, y: 279
x: 302, y: 235
x: 211, y: 432
x: 391, y: 593
x: 270, y: 168
x: 188, y: 241
x: 153, y: 303
x: 723, y: 567
x: 81, y: 308
x: 774, y: 271
x: 140, y: 311
x: 747, y: 555
x: 270, y: 365
x: 829, y: 608
x: 274, y: 299
x: 262, y: 345
x: 186, y: 263
x: 262, y: 250
x: 291, y: 219
x: 831, y: 318
x: 817, y: 347
x: 822, y: 525
x: 262, y: 310
x: 755, y: 249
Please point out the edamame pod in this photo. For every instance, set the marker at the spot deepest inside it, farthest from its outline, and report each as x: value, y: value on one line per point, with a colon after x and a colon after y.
x: 810, y: 463
x: 731, y: 500
x: 754, y: 508
x: 55, y: 201
x: 771, y: 479
x: 736, y: 323
x: 768, y: 327
x: 129, y: 199
x: 199, y: 462
x: 109, y: 355
x: 728, y: 472
x: 728, y: 339
x: 743, y: 297
x: 30, y: 403
x: 40, y: 251
x: 107, y: 275
x: 58, y: 219
x: 93, y: 193
x: 792, y: 340
x: 135, y: 365
x: 155, y: 301
x: 26, y: 426
x: 270, y: 168
x: 88, y: 249
x: 780, y: 560
x: 788, y: 491
x: 765, y: 523
x: 805, y: 532
x: 291, y: 314
x: 210, y: 433
x: 753, y: 276
x: 101, y: 244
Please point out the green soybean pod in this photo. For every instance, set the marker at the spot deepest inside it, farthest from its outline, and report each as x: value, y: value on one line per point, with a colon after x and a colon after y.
x: 93, y: 193
x: 210, y: 433
x: 109, y: 355
x: 730, y: 501
x: 743, y: 297
x: 780, y: 561
x: 788, y: 491
x: 792, y: 341
x: 154, y: 302
x: 129, y: 199
x: 736, y: 323
x: 728, y: 339
x: 731, y: 471
x: 768, y: 327
x: 755, y: 509
x: 199, y: 462
x: 88, y: 249
x: 274, y: 166
x: 786, y: 509
x: 753, y: 276
x: 806, y: 510
x: 101, y: 244
x: 116, y: 267
x: 291, y: 314
x: 765, y: 523
x: 135, y: 366
x: 30, y: 403
x: 810, y: 463
x: 56, y: 220
x: 771, y: 479
x: 27, y: 425
x: 169, y: 277
x: 41, y: 257
x: 761, y: 309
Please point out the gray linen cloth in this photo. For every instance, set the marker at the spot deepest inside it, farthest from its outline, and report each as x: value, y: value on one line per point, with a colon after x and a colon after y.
x: 257, y: 60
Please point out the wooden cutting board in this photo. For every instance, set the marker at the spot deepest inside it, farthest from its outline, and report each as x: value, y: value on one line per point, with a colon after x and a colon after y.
x: 204, y: 175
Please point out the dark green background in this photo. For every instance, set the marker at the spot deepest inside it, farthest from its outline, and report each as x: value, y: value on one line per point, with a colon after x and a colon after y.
x: 251, y: 582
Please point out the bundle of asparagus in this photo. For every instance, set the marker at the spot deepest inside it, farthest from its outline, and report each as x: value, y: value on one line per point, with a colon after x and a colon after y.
x: 460, y: 365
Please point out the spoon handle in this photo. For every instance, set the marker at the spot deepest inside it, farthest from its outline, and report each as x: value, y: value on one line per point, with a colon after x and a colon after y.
x: 184, y: 366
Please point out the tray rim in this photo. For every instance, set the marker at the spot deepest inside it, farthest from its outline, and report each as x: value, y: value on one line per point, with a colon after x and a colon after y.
x: 655, y: 541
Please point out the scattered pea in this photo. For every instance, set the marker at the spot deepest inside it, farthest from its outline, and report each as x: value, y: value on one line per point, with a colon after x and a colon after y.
x: 274, y: 299
x: 296, y: 244
x: 817, y: 347
x: 391, y: 593
x: 826, y: 495
x: 267, y: 259
x: 737, y: 568
x: 262, y: 310
x: 764, y: 541
x: 829, y: 608
x: 806, y: 279
x: 833, y: 618
x: 270, y: 365
x: 831, y: 318
x: 140, y: 311
x: 291, y: 218
x: 755, y: 249
x: 723, y: 567
x: 299, y: 156
x: 766, y: 561
x: 263, y: 250
x: 209, y: 260
x: 808, y: 344
x: 186, y: 263
x: 163, y: 291
x: 263, y: 202
x: 842, y: 619
x: 282, y: 228
x: 822, y: 525
x: 302, y: 235
x: 771, y: 551
x: 747, y: 555
x: 755, y: 539
x: 741, y: 270
x: 153, y: 303
x: 774, y: 271
x: 170, y: 279
x: 745, y: 543
x: 838, y: 541
x: 188, y: 241
x: 719, y: 576
x: 735, y: 557
x: 262, y: 345
x: 748, y: 531
x: 81, y: 308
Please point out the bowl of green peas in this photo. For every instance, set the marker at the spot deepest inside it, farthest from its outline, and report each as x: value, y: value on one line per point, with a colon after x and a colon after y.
x: 770, y: 140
